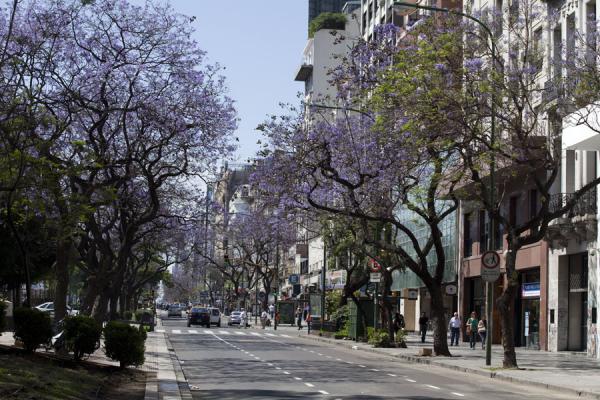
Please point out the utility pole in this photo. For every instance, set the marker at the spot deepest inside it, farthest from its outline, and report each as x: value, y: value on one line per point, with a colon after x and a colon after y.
x: 276, y: 284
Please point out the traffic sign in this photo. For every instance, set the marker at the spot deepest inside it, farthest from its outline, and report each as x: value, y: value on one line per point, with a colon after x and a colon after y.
x: 490, y: 262
x: 375, y: 277
x: 375, y: 267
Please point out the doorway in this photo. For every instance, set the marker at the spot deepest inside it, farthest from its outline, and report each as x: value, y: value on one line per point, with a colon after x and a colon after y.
x: 578, y: 302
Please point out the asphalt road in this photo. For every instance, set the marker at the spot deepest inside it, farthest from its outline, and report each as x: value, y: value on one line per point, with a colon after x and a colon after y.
x: 236, y: 363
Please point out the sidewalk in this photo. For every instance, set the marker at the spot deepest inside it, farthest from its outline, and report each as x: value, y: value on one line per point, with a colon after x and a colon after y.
x: 165, y: 379
x: 569, y: 373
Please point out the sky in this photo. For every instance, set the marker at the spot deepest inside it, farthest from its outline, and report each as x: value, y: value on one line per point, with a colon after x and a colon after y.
x: 260, y: 44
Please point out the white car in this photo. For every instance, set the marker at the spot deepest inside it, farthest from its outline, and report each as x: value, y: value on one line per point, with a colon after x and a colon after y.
x: 49, y: 308
x: 215, y: 316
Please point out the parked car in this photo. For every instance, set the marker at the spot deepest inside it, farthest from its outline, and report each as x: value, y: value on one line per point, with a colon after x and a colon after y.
x: 235, y: 318
x: 49, y: 308
x: 174, y: 311
x: 215, y: 316
x: 199, y: 316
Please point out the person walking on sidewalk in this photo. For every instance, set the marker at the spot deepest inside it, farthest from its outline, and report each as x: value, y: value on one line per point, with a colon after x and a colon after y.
x: 244, y: 318
x: 454, y: 329
x: 398, y: 322
x: 482, y: 331
x: 472, y: 329
x: 423, y: 326
x: 263, y: 318
x: 272, y: 310
x: 299, y: 318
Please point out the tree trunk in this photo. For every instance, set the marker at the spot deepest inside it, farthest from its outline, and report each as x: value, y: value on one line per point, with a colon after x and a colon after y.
x: 61, y: 271
x: 506, y: 309
x: 440, y: 330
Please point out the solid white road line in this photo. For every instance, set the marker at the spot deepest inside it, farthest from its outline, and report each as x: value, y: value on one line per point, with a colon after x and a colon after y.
x: 309, y: 384
x: 323, y: 392
x: 433, y: 387
x: 458, y: 394
x: 176, y: 331
x: 392, y: 375
x: 410, y: 380
x: 192, y: 331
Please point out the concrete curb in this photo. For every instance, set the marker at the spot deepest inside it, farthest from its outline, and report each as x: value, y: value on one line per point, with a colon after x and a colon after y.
x: 431, y: 361
x: 184, y: 388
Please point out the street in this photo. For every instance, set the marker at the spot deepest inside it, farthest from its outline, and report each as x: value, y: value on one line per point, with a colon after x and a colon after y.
x: 237, y: 363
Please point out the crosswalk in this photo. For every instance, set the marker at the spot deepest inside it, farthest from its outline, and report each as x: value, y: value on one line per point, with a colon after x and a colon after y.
x: 221, y: 332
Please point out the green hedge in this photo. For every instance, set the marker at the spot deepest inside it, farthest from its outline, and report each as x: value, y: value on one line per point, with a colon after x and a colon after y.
x: 378, y: 338
x: 82, y: 335
x: 32, y: 327
x: 124, y: 343
x: 327, y: 20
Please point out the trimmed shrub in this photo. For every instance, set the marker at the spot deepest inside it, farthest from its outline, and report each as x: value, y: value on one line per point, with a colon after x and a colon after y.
x: 401, y: 338
x: 82, y: 335
x: 32, y: 327
x: 124, y: 343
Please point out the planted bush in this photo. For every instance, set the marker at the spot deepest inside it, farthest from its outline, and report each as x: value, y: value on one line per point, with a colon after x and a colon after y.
x: 82, y: 335
x: 124, y: 343
x: 378, y: 338
x: 32, y: 327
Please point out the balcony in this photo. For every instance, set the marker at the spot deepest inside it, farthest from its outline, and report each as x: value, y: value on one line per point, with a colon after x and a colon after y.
x: 306, y: 67
x: 579, y: 223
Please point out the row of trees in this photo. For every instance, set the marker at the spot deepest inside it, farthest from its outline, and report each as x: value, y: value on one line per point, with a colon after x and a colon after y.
x: 411, y: 138
x: 109, y: 119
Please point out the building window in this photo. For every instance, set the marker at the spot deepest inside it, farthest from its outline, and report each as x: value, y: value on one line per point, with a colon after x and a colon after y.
x: 512, y: 211
x: 467, y: 240
x: 537, y: 56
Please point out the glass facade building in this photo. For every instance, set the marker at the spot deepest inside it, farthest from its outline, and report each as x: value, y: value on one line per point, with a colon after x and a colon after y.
x: 316, y: 7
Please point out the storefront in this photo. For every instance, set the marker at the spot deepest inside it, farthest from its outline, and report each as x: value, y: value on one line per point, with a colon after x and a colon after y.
x: 529, y: 318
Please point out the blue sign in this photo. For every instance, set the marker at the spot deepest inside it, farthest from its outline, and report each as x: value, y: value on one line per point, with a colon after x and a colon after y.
x: 529, y: 290
x: 294, y: 279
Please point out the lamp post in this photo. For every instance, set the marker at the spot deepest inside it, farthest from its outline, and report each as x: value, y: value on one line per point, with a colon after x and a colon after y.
x: 492, y: 236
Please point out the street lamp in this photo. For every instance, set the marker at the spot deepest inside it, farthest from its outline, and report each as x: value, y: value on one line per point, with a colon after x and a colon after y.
x: 492, y: 238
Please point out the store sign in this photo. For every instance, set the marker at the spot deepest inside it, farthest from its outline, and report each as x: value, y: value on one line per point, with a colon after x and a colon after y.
x: 529, y: 290
x: 413, y: 294
x: 294, y: 279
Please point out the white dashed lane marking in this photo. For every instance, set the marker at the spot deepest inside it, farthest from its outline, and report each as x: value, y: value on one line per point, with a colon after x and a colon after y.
x: 240, y: 333
x: 176, y: 331
x: 208, y: 332
x: 309, y: 384
x: 433, y: 387
x: 458, y: 394
x: 392, y: 375
x: 374, y: 370
x: 323, y: 392
x: 298, y: 379
x: 192, y: 331
x: 411, y: 380
x: 270, y: 334
x: 160, y: 331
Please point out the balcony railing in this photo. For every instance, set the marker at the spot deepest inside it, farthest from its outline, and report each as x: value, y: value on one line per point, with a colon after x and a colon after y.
x: 587, y: 204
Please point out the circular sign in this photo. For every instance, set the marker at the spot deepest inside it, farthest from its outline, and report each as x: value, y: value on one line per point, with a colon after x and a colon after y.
x: 490, y: 259
x: 451, y: 289
x: 375, y: 267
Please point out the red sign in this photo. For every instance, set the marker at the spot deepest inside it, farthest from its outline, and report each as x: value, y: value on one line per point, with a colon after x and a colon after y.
x: 375, y: 267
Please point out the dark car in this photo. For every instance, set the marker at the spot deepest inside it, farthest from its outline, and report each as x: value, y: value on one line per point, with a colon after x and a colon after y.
x: 199, y: 316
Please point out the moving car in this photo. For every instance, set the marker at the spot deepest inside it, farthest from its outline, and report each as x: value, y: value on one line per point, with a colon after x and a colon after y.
x: 199, y: 316
x: 235, y: 318
x: 174, y: 311
x: 215, y: 316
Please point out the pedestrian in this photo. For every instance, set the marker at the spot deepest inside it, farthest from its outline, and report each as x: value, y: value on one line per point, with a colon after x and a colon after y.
x: 244, y: 318
x: 272, y: 310
x: 299, y: 318
x: 471, y: 326
x: 398, y: 322
x: 454, y: 329
x: 263, y: 318
x: 277, y: 318
x: 423, y: 326
x: 482, y: 331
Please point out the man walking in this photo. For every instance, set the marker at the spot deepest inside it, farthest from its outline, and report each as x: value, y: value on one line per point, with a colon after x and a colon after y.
x: 423, y: 326
x: 472, y: 329
x: 272, y: 310
x: 454, y: 329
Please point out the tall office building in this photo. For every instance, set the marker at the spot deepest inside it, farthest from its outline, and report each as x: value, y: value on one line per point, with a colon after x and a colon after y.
x: 316, y: 7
